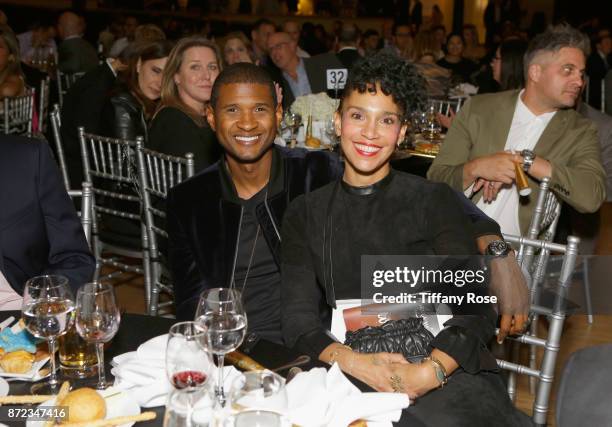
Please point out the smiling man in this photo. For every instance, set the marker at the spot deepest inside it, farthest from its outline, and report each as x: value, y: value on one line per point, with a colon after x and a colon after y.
x: 224, y: 223
x: 538, y: 124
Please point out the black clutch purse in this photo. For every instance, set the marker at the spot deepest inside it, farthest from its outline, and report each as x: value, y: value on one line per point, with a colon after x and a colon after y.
x: 406, y: 336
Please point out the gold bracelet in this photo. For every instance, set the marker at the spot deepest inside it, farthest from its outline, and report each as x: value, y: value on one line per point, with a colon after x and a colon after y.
x: 335, y: 353
x: 440, y: 370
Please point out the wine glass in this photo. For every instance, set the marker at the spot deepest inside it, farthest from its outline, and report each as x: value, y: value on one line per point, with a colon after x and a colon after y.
x: 293, y: 121
x: 47, y: 312
x: 259, y: 397
x: 330, y: 132
x: 431, y: 126
x: 221, y: 311
x: 97, y: 320
x: 188, y: 362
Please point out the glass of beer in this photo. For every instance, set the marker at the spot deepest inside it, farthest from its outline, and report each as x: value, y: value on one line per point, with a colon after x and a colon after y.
x: 77, y: 357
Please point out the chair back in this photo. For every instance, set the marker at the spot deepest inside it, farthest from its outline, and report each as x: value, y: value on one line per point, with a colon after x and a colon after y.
x: 17, y: 114
x: 64, y: 82
x: 59, y: 147
x: 43, y: 104
x: 445, y: 106
x: 158, y: 173
x: 556, y: 314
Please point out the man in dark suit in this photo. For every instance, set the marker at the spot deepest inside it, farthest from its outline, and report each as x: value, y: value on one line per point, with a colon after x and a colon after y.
x: 40, y: 232
x: 298, y: 76
x: 83, y: 106
x: 348, y: 40
x: 597, y: 66
x: 75, y: 54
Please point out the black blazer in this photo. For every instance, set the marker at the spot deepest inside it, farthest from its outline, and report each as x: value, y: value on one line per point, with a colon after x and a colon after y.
x: 174, y: 132
x: 40, y: 232
x: 83, y: 106
x: 76, y: 55
x: 348, y: 57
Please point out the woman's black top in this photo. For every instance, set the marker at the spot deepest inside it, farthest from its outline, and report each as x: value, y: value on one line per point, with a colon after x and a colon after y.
x: 123, y: 117
x: 174, y: 132
x: 462, y: 71
x: 325, y: 233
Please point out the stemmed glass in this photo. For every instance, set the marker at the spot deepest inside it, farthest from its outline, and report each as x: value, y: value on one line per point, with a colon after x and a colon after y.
x: 259, y: 397
x: 330, y: 132
x: 97, y: 320
x: 293, y: 121
x: 431, y: 127
x: 47, y: 311
x: 221, y: 312
x: 189, y: 364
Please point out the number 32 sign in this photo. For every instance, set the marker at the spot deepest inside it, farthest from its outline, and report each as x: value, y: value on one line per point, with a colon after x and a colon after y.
x: 336, y: 78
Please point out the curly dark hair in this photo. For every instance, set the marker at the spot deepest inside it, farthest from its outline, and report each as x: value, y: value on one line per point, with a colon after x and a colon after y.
x: 395, y: 77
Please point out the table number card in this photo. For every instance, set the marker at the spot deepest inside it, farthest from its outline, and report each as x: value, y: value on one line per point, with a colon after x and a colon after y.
x: 336, y: 78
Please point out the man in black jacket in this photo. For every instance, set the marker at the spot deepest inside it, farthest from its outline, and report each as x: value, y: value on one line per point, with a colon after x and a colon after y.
x: 40, y: 232
x: 83, y: 105
x: 224, y: 223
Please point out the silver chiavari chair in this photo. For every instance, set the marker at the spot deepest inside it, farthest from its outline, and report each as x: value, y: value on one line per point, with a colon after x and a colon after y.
x: 445, y: 106
x: 109, y: 165
x: 43, y: 104
x: 56, y: 125
x: 18, y: 112
x: 86, y: 195
x: 64, y: 82
x: 157, y: 173
x: 556, y: 315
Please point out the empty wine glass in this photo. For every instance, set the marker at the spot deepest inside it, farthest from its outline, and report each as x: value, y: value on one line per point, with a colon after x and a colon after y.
x: 188, y: 363
x: 47, y: 312
x: 330, y: 132
x: 97, y: 320
x: 221, y: 311
x: 259, y: 397
x: 293, y: 121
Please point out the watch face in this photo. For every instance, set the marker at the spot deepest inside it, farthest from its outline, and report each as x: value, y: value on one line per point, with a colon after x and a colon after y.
x: 498, y: 247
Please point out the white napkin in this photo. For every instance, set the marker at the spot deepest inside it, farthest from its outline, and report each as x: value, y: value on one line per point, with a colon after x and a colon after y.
x: 327, y: 398
x: 142, y: 373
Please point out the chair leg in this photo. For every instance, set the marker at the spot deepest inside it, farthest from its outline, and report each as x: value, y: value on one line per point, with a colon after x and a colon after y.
x: 587, y: 289
x: 98, y: 257
x: 155, y: 270
x: 533, y: 331
x: 547, y: 372
x: 511, y: 386
x: 146, y: 266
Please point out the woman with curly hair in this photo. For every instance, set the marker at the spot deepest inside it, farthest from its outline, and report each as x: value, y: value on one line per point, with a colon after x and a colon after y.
x: 376, y: 210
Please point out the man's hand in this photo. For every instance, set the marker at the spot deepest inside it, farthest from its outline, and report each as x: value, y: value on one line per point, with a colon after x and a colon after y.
x: 498, y: 167
x: 511, y: 325
x: 490, y: 188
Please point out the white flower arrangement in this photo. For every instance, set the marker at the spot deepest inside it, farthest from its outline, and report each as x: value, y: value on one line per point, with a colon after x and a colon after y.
x: 319, y: 105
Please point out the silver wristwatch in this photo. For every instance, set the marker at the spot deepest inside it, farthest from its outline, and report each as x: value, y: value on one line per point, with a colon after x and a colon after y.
x: 498, y: 249
x: 528, y: 158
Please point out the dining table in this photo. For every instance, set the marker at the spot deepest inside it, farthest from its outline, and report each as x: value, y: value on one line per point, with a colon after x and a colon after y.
x: 136, y: 329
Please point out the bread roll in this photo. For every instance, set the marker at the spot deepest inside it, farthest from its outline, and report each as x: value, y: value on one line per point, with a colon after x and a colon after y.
x: 17, y: 362
x: 84, y: 404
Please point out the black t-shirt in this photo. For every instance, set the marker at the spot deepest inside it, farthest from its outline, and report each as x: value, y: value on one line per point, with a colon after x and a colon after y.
x: 261, y: 289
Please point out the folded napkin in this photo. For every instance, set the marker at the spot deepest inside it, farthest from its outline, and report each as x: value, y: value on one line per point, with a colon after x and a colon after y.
x: 142, y: 373
x: 327, y: 398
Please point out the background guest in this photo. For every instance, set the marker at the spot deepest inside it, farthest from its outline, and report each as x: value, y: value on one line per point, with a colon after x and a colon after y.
x: 134, y: 101
x: 236, y: 47
x: 259, y: 34
x: 293, y: 28
x: 180, y: 126
x: 11, y: 77
x: 75, y: 54
x: 461, y: 68
x: 38, y: 43
x: 348, y: 42
x: 473, y: 49
x: 129, y: 28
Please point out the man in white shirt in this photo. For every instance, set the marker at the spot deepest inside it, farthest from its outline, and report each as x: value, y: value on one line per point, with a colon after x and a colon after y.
x: 294, y: 29
x: 536, y: 128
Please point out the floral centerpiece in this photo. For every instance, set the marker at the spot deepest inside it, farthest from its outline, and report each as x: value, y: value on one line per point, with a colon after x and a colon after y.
x: 319, y: 105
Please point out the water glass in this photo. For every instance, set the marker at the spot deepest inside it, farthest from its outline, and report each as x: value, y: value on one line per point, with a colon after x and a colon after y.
x: 47, y: 312
x: 97, y: 320
x: 221, y: 311
x: 187, y: 409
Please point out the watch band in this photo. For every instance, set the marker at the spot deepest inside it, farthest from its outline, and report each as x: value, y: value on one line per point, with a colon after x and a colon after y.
x: 528, y: 158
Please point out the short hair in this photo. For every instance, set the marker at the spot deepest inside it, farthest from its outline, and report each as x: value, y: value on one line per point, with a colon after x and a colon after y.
x: 262, y: 21
x: 398, y: 24
x: 395, y: 76
x: 243, y: 72
x: 553, y: 40
x: 348, y: 34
